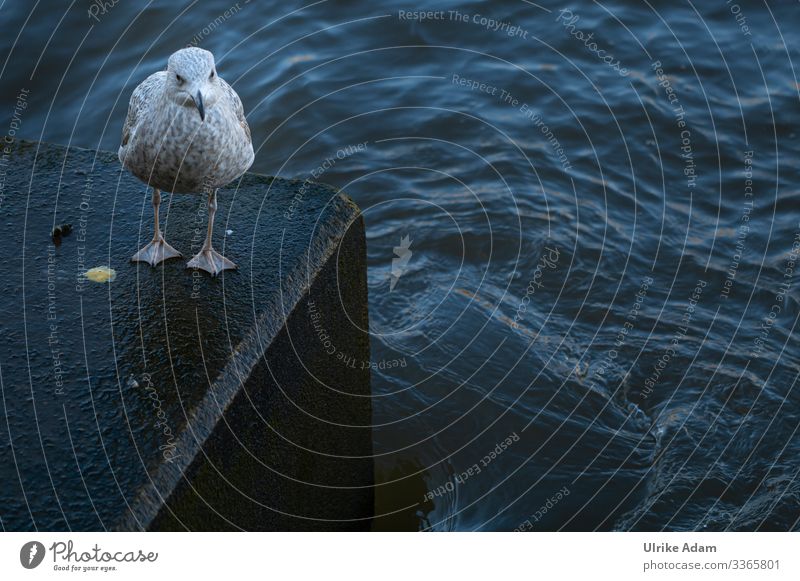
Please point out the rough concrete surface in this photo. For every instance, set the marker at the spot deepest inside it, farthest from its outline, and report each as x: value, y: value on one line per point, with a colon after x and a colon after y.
x: 166, y: 399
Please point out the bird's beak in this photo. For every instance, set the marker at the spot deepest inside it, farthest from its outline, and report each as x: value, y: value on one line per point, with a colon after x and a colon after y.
x: 198, y: 101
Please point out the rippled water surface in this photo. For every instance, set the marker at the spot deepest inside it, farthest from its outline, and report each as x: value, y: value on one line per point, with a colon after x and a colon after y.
x: 582, y: 250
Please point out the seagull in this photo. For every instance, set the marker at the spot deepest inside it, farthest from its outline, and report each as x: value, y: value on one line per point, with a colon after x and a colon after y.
x: 186, y: 133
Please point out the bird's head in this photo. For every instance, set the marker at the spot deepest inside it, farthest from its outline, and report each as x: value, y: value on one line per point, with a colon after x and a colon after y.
x: 192, y: 79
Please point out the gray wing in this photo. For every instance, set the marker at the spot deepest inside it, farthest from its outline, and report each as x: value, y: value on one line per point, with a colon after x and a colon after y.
x: 236, y: 105
x: 141, y: 98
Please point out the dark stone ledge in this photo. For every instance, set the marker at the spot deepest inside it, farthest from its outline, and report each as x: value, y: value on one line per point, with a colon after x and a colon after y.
x: 168, y: 400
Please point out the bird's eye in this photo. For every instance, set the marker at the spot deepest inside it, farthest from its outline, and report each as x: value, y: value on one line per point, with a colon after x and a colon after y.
x: 180, y: 79
x: 212, y: 75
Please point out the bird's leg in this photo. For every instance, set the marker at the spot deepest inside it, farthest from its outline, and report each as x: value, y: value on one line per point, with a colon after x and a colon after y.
x: 157, y: 249
x: 209, y: 259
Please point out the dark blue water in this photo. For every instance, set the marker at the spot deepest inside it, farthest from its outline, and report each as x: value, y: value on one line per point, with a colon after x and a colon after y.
x: 583, y: 231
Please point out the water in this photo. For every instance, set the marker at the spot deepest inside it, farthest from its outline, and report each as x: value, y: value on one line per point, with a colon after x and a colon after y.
x: 582, y: 283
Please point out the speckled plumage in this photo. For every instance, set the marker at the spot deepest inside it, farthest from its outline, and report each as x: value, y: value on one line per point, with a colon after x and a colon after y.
x: 186, y: 133
x: 167, y: 145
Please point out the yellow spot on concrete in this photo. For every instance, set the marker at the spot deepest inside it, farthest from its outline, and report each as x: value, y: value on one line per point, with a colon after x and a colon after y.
x: 101, y: 274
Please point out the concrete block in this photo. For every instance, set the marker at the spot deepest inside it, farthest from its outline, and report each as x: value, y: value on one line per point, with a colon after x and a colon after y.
x: 165, y: 399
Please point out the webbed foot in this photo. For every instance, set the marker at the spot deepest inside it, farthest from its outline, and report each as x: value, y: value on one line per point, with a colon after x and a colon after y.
x: 211, y: 261
x: 156, y: 251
